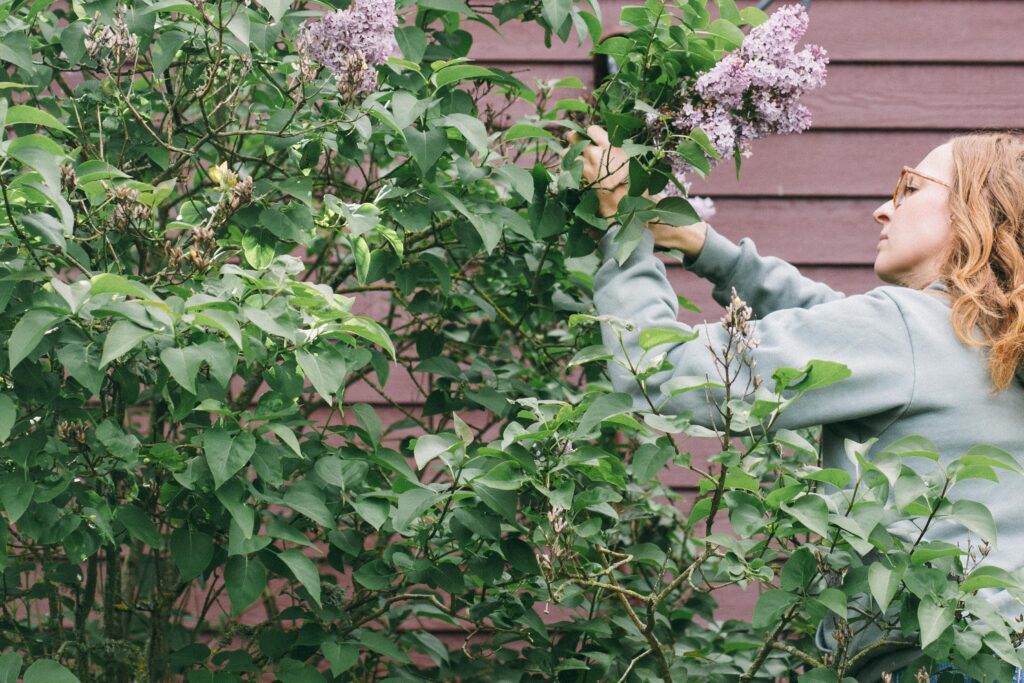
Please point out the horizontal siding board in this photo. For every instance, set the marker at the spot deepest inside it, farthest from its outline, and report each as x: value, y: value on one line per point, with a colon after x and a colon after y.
x: 937, y: 31
x: 824, y: 164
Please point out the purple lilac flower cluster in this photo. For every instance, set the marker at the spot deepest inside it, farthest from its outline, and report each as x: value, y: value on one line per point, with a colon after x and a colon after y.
x: 351, y: 42
x: 753, y: 92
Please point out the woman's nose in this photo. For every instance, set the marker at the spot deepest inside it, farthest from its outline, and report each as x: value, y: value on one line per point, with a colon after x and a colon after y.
x: 883, y: 213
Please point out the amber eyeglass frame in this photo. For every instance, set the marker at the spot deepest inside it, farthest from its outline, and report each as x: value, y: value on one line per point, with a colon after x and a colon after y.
x: 897, y: 199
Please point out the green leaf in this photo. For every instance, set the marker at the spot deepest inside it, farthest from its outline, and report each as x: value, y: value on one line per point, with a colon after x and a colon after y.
x: 287, y: 437
x: 8, y: 415
x: 305, y: 498
x: 884, y: 582
x: 294, y: 671
x: 601, y: 409
x: 526, y: 131
x: 122, y: 337
x: 226, y: 454
x: 770, y: 606
x: 341, y: 657
x: 727, y: 31
x: 934, y: 619
x: 192, y: 551
x: 412, y: 504
x: 555, y: 12
x: 15, y: 495
x: 370, y: 421
x: 651, y: 337
x: 16, y: 49
x: 183, y: 364
x: 277, y: 8
x: 245, y: 578
x: 27, y: 334
x: 798, y: 570
x: 471, y: 128
x: 111, y: 283
x: 988, y: 577
x: 371, y: 331
x: 815, y: 375
x: 912, y: 446
x: 381, y: 644
x: 412, y: 41
x: 649, y: 459
x: 459, y: 72
x: 82, y: 362
x: 976, y: 517
x: 834, y: 599
x: 992, y: 457
x: 324, y: 368
x: 10, y: 667
x: 676, y: 211
x: 20, y: 113
x: 304, y: 571
x: 426, y: 147
x: 139, y: 525
x: 49, y: 671
x: 811, y: 511
x: 430, y: 446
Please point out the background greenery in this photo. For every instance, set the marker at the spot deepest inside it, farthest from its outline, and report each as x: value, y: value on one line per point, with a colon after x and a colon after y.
x: 190, y: 225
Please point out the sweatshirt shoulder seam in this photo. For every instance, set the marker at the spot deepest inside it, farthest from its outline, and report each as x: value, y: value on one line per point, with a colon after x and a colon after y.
x: 913, y: 361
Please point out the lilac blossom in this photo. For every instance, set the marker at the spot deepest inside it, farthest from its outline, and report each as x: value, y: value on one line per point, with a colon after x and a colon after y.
x: 351, y: 42
x: 753, y: 92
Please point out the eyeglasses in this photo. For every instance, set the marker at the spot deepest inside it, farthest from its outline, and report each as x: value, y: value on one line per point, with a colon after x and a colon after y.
x: 900, y: 193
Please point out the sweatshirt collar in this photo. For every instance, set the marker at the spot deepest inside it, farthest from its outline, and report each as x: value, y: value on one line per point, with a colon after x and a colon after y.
x: 940, y: 286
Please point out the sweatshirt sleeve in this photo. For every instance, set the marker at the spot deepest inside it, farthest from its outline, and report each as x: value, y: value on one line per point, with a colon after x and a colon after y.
x: 766, y: 283
x: 866, y: 332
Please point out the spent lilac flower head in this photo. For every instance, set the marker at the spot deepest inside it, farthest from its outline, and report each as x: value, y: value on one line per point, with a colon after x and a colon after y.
x: 351, y: 42
x: 754, y: 91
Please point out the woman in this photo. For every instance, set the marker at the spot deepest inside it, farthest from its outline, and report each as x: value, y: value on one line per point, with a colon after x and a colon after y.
x: 935, y: 353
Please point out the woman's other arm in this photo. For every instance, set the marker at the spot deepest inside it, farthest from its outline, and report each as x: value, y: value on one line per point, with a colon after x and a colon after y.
x: 867, y: 333
x: 766, y: 283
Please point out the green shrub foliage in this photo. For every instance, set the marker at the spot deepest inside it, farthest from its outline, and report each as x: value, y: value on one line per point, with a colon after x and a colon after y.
x: 206, y: 241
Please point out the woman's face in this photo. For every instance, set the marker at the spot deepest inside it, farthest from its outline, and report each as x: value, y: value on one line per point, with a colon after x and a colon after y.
x: 915, y: 234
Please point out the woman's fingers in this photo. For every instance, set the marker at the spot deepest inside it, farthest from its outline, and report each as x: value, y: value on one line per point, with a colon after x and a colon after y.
x: 598, y: 135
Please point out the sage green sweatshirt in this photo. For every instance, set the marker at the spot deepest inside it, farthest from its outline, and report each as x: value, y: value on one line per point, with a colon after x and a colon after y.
x: 911, y: 375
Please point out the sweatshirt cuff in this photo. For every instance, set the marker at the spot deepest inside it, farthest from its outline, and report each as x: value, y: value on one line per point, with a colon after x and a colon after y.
x: 717, y: 258
x: 608, y: 246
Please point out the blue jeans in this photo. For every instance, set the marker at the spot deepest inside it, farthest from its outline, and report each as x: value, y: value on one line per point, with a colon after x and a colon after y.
x: 908, y: 676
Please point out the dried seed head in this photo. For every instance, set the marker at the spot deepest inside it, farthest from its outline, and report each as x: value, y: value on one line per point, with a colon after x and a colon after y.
x: 174, y: 256
x: 922, y: 676
x: 198, y: 259
x: 68, y: 179
x: 70, y: 432
x: 737, y: 322
x: 241, y: 194
x: 113, y: 37
x: 223, y: 176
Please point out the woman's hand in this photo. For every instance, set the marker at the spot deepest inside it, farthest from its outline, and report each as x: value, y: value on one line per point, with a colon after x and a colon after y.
x: 607, y: 169
x: 688, y: 239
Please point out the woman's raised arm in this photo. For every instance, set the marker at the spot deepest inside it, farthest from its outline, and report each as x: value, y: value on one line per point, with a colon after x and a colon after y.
x: 866, y: 332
